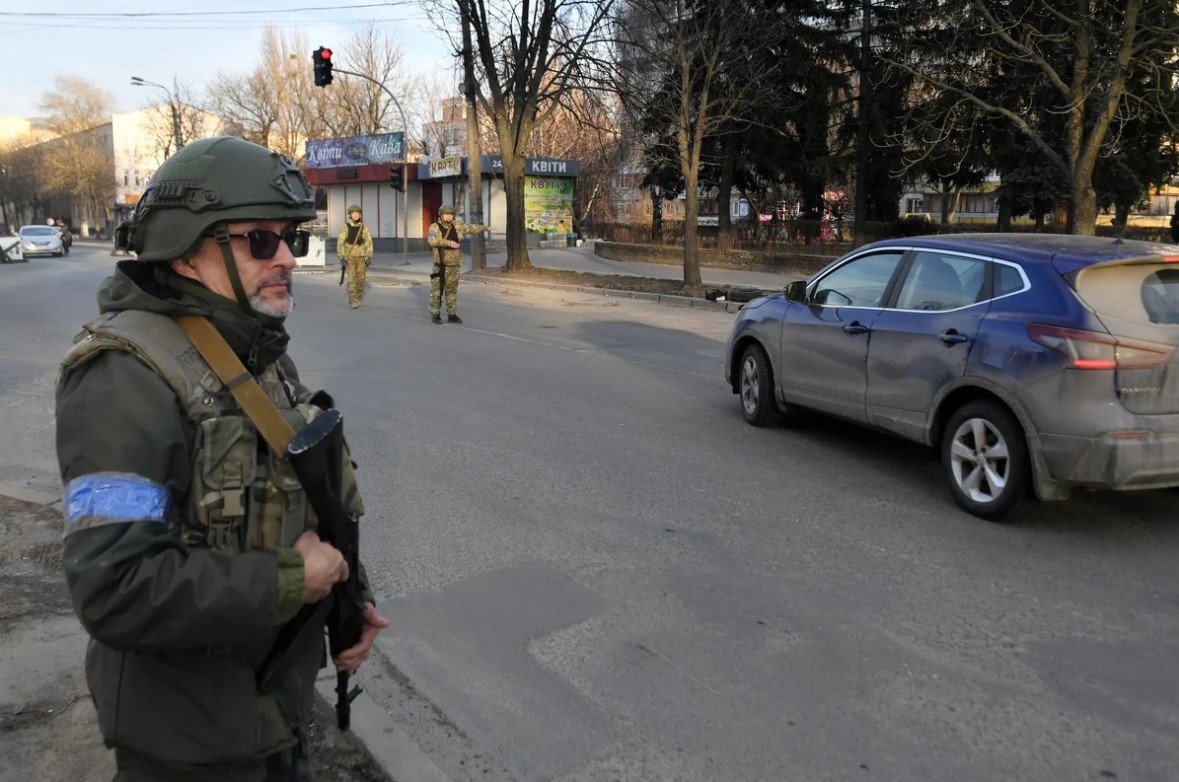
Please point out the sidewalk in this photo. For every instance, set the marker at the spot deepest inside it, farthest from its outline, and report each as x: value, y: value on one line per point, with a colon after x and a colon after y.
x: 48, y: 729
x: 416, y: 267
x: 582, y: 259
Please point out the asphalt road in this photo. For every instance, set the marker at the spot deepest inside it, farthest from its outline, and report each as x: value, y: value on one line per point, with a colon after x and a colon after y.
x: 596, y: 570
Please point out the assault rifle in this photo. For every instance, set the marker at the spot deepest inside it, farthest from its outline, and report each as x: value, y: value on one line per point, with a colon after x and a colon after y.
x: 317, y: 453
x: 440, y: 274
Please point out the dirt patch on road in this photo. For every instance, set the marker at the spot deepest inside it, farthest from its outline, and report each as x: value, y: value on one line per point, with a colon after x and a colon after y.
x: 620, y: 282
x: 48, y: 731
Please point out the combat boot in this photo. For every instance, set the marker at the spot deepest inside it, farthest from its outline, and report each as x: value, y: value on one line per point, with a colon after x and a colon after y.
x: 453, y: 319
x: 437, y: 319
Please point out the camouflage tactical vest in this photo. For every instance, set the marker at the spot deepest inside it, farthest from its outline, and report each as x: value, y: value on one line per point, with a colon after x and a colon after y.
x: 242, y: 497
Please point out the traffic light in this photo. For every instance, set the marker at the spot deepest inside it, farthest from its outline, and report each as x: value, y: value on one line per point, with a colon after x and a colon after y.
x: 395, y: 178
x: 321, y: 58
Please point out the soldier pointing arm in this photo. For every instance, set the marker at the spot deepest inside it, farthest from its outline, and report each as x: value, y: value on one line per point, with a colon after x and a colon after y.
x: 444, y: 236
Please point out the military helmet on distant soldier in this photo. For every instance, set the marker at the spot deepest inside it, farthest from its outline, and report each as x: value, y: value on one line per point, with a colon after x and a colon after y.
x: 211, y: 181
x: 446, y: 209
x: 354, y: 208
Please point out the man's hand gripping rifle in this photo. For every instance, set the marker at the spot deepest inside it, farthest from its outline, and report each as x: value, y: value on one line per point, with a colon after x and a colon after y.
x: 317, y: 453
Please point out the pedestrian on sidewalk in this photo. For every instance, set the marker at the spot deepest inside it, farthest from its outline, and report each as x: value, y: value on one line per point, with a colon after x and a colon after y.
x: 189, y: 542
x: 444, y: 236
x: 355, y: 248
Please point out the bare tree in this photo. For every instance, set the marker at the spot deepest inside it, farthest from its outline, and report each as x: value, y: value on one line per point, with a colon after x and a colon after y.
x: 1076, y: 58
x: 684, y: 75
x: 79, y: 163
x: 277, y: 104
x: 23, y: 190
x: 274, y: 104
x: 530, y: 54
x: 356, y: 107
x: 171, y: 125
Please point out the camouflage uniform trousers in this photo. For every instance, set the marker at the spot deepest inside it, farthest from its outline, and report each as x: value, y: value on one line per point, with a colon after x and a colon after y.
x: 356, y: 272
x: 452, y: 280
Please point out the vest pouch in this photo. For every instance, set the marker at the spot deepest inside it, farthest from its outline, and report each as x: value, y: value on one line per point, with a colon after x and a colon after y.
x: 225, y: 473
x: 285, y: 515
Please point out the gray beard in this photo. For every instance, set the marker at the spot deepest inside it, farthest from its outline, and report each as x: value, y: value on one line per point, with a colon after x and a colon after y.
x: 273, y: 309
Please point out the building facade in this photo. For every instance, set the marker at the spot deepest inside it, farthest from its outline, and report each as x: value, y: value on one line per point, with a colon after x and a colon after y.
x: 368, y: 171
x: 114, y: 160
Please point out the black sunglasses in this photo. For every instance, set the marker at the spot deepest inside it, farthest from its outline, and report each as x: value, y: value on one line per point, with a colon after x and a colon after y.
x: 264, y: 244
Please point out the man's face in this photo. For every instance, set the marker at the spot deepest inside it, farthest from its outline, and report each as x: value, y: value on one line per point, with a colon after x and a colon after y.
x: 355, y: 217
x: 267, y: 282
x: 447, y: 217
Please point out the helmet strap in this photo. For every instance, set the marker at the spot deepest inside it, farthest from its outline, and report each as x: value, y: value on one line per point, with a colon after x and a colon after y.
x: 221, y: 236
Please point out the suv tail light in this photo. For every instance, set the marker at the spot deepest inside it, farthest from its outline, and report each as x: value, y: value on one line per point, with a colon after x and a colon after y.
x: 1095, y: 350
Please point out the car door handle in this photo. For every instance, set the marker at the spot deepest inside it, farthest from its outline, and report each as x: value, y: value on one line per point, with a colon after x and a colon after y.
x: 855, y: 327
x: 952, y: 337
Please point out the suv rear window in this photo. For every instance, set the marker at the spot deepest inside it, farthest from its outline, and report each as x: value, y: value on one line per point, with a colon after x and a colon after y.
x: 1142, y: 292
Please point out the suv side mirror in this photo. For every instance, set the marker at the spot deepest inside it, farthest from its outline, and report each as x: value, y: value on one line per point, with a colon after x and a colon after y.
x: 796, y: 291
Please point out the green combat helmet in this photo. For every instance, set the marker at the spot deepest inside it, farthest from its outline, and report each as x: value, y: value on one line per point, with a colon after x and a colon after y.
x: 207, y: 184
x: 446, y: 209
x: 354, y: 208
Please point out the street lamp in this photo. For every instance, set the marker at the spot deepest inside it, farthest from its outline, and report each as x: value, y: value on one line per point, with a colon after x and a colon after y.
x: 138, y: 82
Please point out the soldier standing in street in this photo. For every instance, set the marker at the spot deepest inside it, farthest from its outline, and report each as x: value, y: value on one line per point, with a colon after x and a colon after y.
x: 189, y: 541
x: 444, y: 236
x: 355, y: 248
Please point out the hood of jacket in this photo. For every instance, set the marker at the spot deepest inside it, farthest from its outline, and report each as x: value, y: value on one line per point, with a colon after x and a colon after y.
x: 258, y: 340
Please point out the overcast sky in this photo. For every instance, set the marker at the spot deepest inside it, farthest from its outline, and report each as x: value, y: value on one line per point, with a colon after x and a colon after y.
x: 109, y: 41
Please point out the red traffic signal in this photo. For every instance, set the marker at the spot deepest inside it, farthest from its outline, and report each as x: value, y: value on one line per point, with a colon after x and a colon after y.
x: 321, y: 60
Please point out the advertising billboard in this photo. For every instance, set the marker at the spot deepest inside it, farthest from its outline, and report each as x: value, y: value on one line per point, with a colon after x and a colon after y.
x: 356, y: 150
x: 548, y: 204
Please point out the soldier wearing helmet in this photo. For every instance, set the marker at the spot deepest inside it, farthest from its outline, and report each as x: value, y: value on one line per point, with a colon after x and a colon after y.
x: 188, y: 540
x: 355, y: 248
x: 444, y: 236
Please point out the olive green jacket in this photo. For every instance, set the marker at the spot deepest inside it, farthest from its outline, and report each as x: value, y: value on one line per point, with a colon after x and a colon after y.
x: 176, y: 632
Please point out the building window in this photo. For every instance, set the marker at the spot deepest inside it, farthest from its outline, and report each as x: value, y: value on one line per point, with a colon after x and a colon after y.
x: 915, y: 205
x: 126, y: 178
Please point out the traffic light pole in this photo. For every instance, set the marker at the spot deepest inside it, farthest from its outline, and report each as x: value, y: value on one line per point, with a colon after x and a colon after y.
x: 404, y: 158
x: 474, y: 153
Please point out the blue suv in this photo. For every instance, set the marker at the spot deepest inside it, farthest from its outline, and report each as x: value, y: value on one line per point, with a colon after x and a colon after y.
x: 1035, y: 363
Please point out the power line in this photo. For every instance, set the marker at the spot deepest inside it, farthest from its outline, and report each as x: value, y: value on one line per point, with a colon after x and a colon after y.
x: 159, y: 14
x: 113, y: 25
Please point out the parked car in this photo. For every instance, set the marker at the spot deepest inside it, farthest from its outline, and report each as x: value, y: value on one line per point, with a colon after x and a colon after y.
x: 40, y: 240
x: 1033, y: 362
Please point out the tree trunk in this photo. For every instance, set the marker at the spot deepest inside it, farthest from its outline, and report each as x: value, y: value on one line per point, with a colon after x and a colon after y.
x: 656, y: 217
x: 1082, y: 207
x: 514, y: 196
x: 1003, y: 224
x: 691, y: 229
x: 724, y: 198
x: 955, y: 201
x: 1121, y: 218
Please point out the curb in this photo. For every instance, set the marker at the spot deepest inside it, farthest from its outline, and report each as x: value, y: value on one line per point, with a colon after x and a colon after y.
x: 399, y: 755
x: 32, y: 496
x: 657, y: 298
x: 395, y: 752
